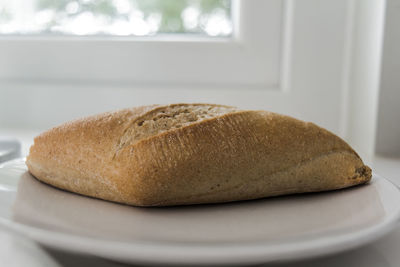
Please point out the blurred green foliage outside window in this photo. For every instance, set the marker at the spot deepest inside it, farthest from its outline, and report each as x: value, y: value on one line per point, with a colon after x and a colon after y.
x: 116, y: 17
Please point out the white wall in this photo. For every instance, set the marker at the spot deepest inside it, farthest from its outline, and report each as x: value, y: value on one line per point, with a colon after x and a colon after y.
x: 364, y: 75
x: 388, y: 130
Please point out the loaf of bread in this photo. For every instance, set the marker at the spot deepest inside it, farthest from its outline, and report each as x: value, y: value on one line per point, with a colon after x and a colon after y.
x: 193, y: 153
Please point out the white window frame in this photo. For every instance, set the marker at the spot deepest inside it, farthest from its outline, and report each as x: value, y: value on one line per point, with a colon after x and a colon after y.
x: 168, y: 60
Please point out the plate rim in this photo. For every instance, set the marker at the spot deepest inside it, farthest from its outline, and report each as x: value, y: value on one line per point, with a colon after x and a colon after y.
x: 245, y: 253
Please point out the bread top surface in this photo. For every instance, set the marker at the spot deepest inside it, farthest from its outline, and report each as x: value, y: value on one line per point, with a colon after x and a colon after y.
x: 105, y: 135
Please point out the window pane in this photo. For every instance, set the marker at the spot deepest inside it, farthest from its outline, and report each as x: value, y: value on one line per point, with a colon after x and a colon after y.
x: 116, y: 17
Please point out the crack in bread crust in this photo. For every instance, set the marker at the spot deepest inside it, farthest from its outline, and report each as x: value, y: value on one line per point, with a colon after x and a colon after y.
x: 165, y: 118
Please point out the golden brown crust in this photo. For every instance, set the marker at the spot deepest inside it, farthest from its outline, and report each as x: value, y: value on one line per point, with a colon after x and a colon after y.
x: 235, y: 156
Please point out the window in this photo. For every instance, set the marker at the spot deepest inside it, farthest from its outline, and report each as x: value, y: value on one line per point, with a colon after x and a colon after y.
x: 171, y: 60
x: 116, y: 17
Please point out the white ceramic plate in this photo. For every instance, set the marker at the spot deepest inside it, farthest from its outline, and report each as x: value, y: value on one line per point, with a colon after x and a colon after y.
x: 267, y: 230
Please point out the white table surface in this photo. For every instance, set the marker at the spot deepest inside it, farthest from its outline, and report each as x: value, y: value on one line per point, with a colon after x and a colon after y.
x: 382, y: 253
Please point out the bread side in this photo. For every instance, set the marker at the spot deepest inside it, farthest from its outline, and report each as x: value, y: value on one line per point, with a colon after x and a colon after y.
x: 239, y: 156
x: 182, y: 158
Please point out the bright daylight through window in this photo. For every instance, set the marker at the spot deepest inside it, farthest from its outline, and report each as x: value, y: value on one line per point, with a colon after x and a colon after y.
x: 115, y: 17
